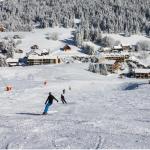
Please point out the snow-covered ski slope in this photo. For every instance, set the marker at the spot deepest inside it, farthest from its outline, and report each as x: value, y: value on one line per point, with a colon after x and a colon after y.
x: 102, y: 112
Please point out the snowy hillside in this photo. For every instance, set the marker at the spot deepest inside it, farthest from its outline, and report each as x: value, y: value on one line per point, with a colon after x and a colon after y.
x: 39, y: 37
x: 66, y: 36
x: 102, y: 112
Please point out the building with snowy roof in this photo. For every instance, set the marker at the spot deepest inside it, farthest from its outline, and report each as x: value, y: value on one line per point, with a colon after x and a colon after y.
x: 142, y: 73
x: 119, y: 57
x: 2, y: 29
x: 105, y: 49
x: 35, y: 47
x: 126, y: 46
x: 118, y: 47
x: 39, y: 52
x: 41, y: 60
x: 111, y: 65
x: 100, y: 58
x: 12, y: 62
x: 67, y: 48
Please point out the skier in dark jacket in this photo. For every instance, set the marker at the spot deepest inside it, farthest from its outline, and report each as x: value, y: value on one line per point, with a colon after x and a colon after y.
x: 63, y: 99
x: 50, y: 102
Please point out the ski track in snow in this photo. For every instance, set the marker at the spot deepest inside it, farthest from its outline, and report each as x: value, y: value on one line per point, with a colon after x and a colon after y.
x: 102, y: 112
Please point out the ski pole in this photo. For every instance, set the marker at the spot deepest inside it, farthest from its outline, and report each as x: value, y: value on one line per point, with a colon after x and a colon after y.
x: 3, y: 81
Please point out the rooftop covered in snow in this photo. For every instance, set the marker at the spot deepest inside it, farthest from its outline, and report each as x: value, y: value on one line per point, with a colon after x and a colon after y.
x: 99, y: 56
x: 109, y: 62
x: 142, y: 70
x: 122, y: 54
x: 11, y: 60
x: 42, y: 57
x: 117, y: 47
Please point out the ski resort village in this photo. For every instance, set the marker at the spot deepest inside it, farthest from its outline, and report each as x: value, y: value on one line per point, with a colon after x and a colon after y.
x: 74, y: 74
x: 57, y: 46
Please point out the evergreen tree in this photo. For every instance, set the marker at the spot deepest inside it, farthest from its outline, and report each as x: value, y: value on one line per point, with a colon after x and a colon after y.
x: 91, y: 67
x: 3, y: 62
x: 11, y: 52
x: 103, y: 70
x: 97, y: 68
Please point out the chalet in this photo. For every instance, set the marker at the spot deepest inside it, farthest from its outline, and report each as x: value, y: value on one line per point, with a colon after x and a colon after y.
x: 119, y: 57
x: 35, y: 47
x: 2, y: 29
x: 20, y: 51
x: 142, y: 73
x: 41, y: 52
x: 118, y: 48
x: 115, y: 51
x: 126, y: 46
x: 44, y: 52
x: 105, y: 49
x: 16, y: 37
x: 111, y: 65
x: 100, y: 58
x: 42, y: 60
x: 12, y: 62
x: 67, y: 48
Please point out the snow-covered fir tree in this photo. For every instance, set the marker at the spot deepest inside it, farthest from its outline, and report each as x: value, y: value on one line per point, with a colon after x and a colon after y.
x: 103, y: 70
x: 108, y: 16
x: 91, y: 67
x: 10, y: 52
x: 3, y: 61
x: 97, y: 68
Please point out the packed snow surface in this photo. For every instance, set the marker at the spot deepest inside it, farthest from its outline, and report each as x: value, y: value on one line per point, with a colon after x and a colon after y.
x: 102, y: 111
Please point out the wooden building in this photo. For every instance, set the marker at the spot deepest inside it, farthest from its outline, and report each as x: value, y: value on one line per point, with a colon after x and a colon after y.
x: 12, y: 62
x: 67, y: 48
x: 111, y: 65
x: 119, y: 57
x: 42, y: 60
x: 20, y: 51
x: 39, y: 52
x: 118, y: 48
x: 35, y: 47
x: 100, y: 58
x: 142, y: 73
x: 16, y: 37
x: 126, y: 46
x: 2, y: 29
x: 105, y: 49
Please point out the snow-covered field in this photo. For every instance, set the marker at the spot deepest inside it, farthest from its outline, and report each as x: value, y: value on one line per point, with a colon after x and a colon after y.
x: 102, y: 112
x: 128, y: 40
x: 39, y: 37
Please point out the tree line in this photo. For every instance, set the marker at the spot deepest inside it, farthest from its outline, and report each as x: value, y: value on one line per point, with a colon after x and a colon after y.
x: 108, y: 16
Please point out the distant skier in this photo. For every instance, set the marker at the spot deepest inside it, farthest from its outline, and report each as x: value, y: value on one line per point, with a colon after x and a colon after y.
x: 50, y: 102
x: 63, y: 99
x: 64, y: 91
x: 69, y: 87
